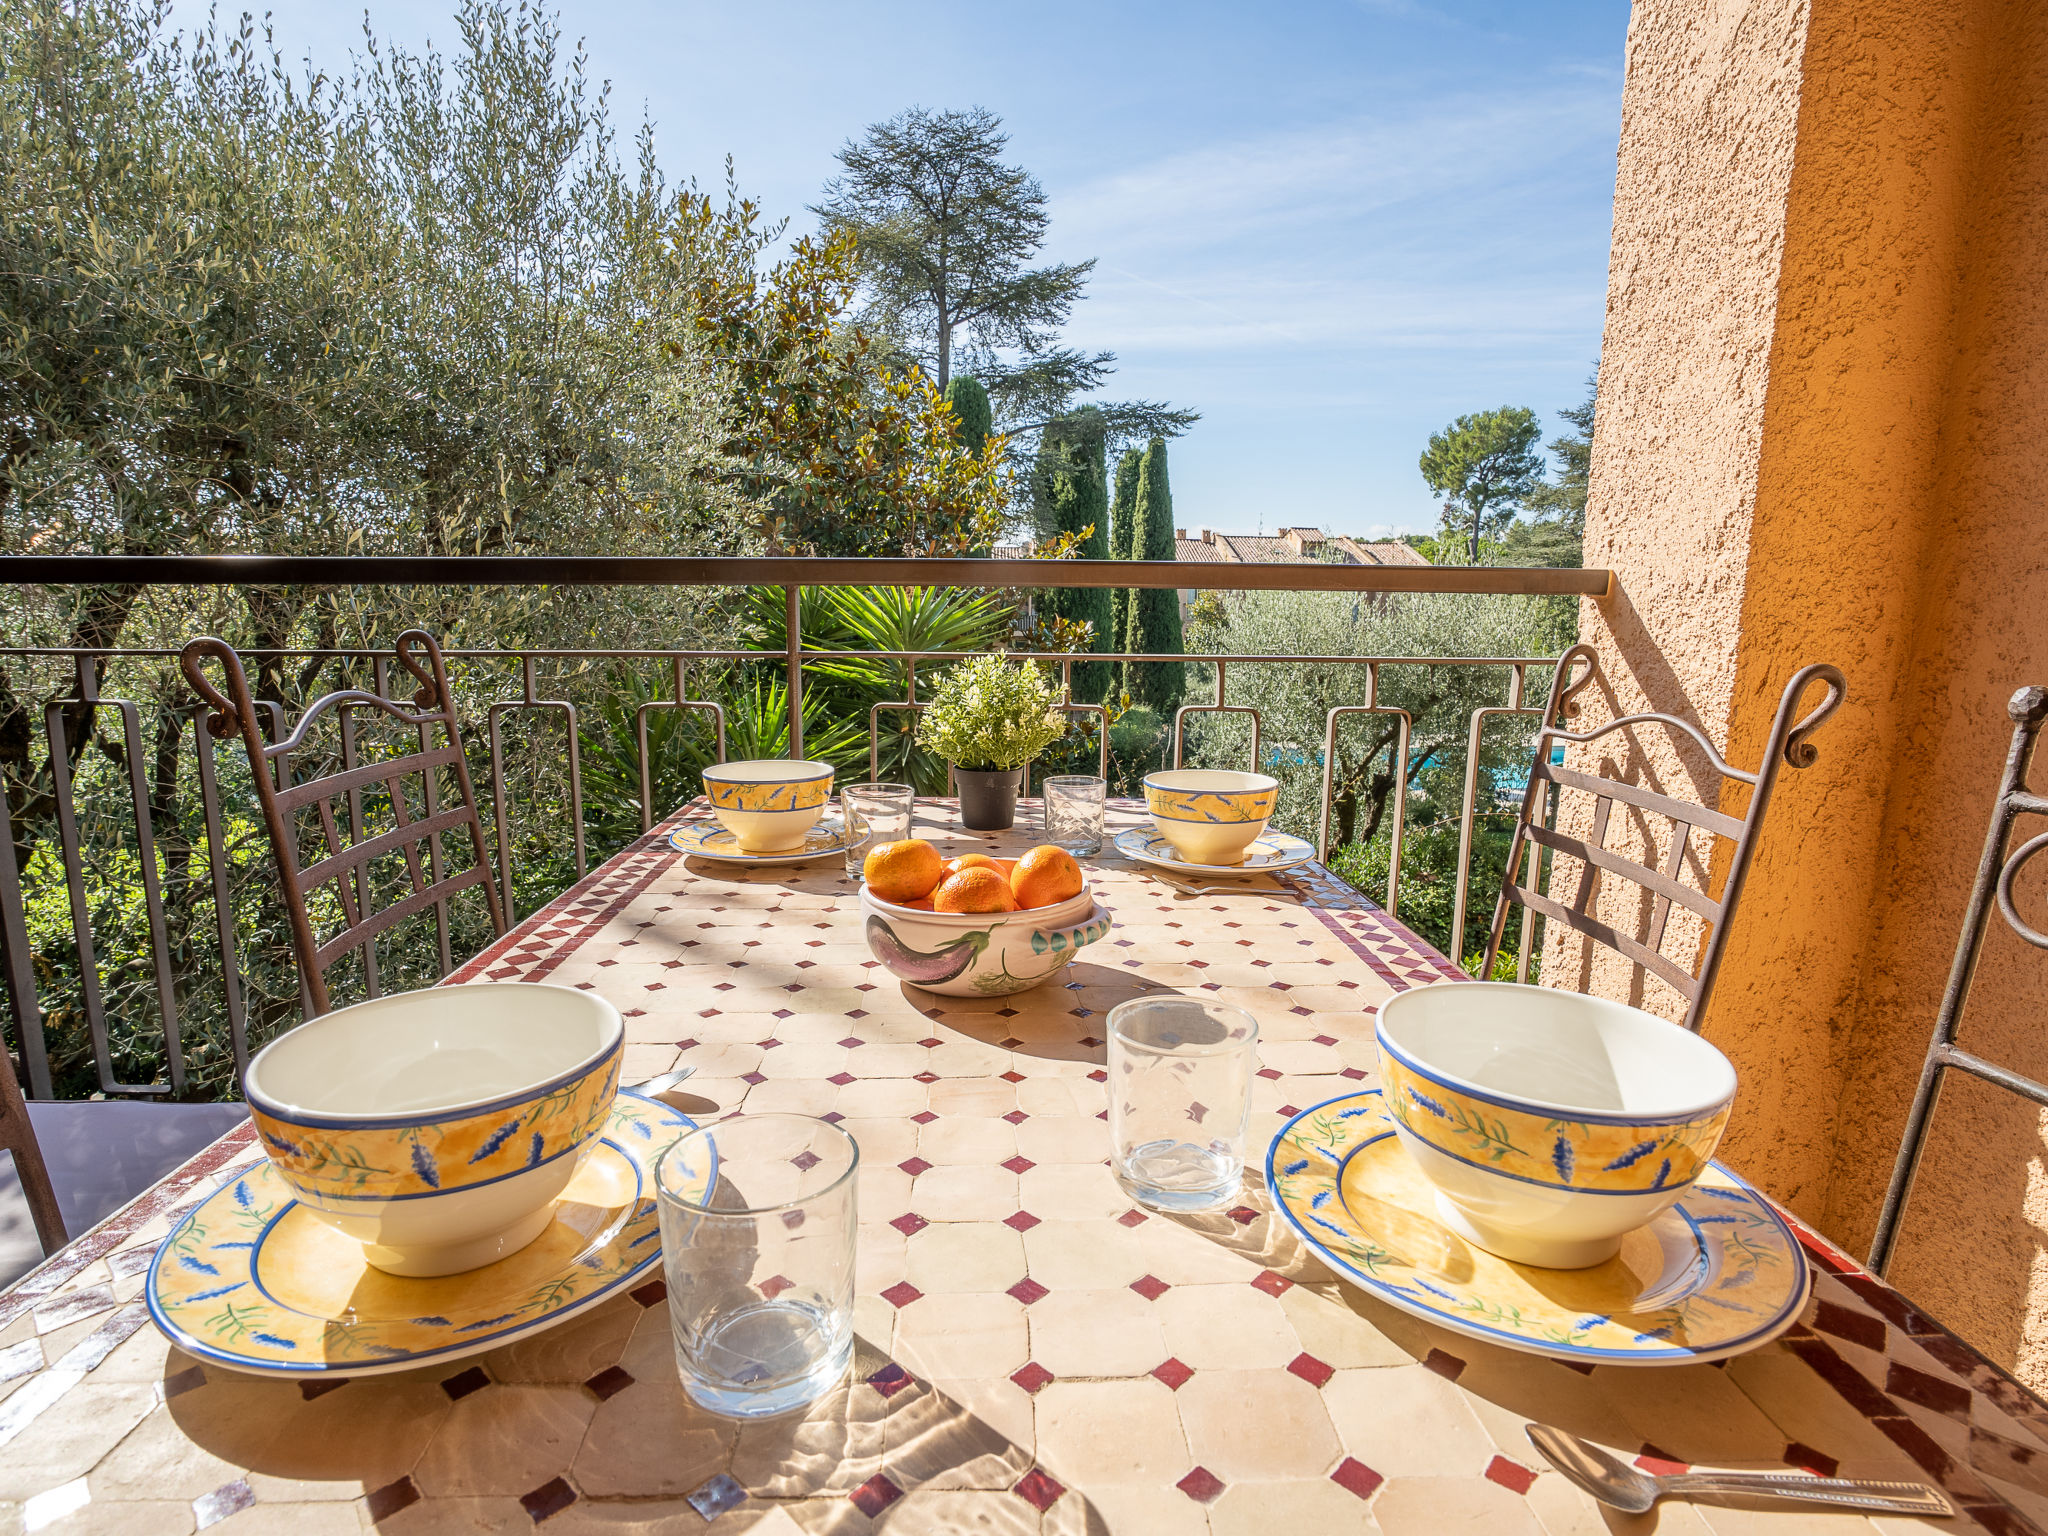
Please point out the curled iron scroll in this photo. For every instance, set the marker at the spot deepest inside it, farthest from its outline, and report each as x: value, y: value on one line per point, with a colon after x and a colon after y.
x: 1799, y: 752
x: 224, y: 718
x: 428, y: 694
x: 1566, y: 709
x: 2006, y: 876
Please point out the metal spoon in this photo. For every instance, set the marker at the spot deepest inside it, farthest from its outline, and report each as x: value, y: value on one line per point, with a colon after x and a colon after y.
x: 1613, y: 1481
x: 661, y: 1082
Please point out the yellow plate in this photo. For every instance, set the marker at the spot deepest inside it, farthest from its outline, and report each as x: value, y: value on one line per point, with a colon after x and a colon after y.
x: 1717, y: 1274
x: 709, y: 840
x: 253, y: 1280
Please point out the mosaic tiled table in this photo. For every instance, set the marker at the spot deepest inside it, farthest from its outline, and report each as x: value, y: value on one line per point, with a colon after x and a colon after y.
x: 1034, y: 1353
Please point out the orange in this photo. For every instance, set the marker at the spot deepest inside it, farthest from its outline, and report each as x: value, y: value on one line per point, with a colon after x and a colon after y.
x: 903, y: 871
x: 1044, y: 876
x: 974, y: 890
x: 970, y: 861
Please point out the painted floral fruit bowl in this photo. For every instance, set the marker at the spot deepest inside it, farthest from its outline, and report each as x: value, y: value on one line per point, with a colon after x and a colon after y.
x: 435, y: 1127
x: 980, y: 954
x: 1551, y: 1124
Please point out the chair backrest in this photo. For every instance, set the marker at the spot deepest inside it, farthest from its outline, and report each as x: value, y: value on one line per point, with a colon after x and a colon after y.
x: 347, y: 862
x: 1536, y: 831
x: 1997, y: 869
x: 18, y: 1137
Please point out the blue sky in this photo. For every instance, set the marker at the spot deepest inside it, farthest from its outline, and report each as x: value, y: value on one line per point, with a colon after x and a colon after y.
x: 1329, y: 227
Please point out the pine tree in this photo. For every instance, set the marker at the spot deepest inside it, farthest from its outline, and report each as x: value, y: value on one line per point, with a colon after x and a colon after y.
x: 1155, y: 611
x: 1122, y: 515
x: 971, y: 410
x: 1070, y: 494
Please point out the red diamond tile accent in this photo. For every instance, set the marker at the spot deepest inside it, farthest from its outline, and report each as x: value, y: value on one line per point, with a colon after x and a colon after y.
x: 1661, y: 1463
x: 1013, y: 1077
x: 1201, y: 1485
x: 901, y: 1294
x: 1808, y: 1459
x: 1131, y: 1218
x: 1511, y: 1475
x: 1244, y: 1215
x: 1038, y: 1489
x: 609, y: 1382
x: 890, y: 1379
x: 923, y: 1117
x: 1326, y: 1039
x: 1354, y: 1073
x: 550, y: 1498
x: 851, y: 1043
x: 1020, y: 1164
x: 1450, y: 1367
x: 1028, y: 1290
x: 841, y: 1079
x: 1354, y: 1476
x: 909, y: 1223
x: 1310, y: 1369
x: 686, y: 1045
x: 652, y: 1294
x: 775, y: 1285
x: 1033, y: 1377
x: 1289, y: 1109
x: 1023, y: 1221
x: 926, y: 1077
x: 462, y: 1383
x: 1098, y: 1076
x: 875, y: 1495
x: 753, y: 1078
x: 391, y: 1498
x: 1016, y: 1117
x: 1270, y: 1074
x: 914, y: 1166
x: 1150, y: 1287
x: 1271, y: 1283
x: 930, y: 1041
x: 1173, y: 1373
x: 856, y: 1013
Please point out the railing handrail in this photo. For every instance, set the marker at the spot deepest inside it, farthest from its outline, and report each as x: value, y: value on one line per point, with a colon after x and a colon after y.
x: 789, y: 570
x: 521, y: 653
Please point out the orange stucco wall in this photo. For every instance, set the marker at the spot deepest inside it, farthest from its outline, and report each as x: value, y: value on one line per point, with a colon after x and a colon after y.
x: 1823, y: 436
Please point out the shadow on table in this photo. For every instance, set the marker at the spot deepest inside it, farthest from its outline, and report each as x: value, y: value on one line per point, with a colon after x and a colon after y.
x: 1063, y: 1020
x: 591, y: 1414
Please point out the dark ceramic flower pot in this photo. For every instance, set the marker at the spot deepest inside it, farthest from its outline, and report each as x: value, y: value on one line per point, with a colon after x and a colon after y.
x: 988, y: 797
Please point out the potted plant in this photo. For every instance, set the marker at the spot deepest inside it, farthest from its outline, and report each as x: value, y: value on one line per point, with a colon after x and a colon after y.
x: 988, y: 719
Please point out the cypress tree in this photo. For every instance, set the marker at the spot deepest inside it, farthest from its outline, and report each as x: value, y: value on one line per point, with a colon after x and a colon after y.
x: 1071, y: 494
x: 1122, y: 515
x: 971, y: 410
x: 1155, y: 611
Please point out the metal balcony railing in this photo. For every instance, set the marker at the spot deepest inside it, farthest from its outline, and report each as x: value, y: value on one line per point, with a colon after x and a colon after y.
x: 133, y: 916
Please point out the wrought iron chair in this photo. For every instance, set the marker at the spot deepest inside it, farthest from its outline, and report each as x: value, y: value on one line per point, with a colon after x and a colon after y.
x: 18, y: 1138
x: 347, y: 863
x: 1996, y: 872
x: 1535, y: 831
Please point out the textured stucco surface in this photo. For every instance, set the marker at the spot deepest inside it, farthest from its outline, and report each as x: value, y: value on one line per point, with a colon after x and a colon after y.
x: 1823, y: 435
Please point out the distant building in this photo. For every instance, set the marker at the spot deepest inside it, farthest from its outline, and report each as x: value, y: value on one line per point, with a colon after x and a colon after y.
x: 1290, y: 546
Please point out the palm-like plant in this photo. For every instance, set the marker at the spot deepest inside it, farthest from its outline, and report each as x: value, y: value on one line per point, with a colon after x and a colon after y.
x: 911, y: 619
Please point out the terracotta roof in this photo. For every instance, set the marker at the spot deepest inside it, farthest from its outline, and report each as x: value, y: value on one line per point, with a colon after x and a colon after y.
x: 1309, y: 547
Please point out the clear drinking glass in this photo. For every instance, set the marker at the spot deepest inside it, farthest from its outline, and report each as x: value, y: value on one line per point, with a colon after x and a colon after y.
x: 760, y: 1269
x: 1180, y: 1093
x: 1073, y: 812
x: 873, y: 813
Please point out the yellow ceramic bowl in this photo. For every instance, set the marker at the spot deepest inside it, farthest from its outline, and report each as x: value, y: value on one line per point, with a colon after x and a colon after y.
x: 1550, y: 1123
x: 768, y: 803
x: 437, y: 1127
x: 1210, y: 815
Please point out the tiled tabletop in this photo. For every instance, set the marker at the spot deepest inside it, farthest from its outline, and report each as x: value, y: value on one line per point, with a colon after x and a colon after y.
x: 1034, y: 1353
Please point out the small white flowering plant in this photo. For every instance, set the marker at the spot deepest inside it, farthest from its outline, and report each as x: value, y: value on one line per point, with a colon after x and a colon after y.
x: 990, y: 714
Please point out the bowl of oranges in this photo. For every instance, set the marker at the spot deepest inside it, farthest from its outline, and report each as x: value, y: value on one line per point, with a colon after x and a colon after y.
x: 976, y: 925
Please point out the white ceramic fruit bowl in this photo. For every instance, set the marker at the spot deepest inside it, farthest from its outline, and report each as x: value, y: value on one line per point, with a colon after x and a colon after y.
x: 437, y: 1127
x: 1550, y: 1123
x: 980, y: 954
